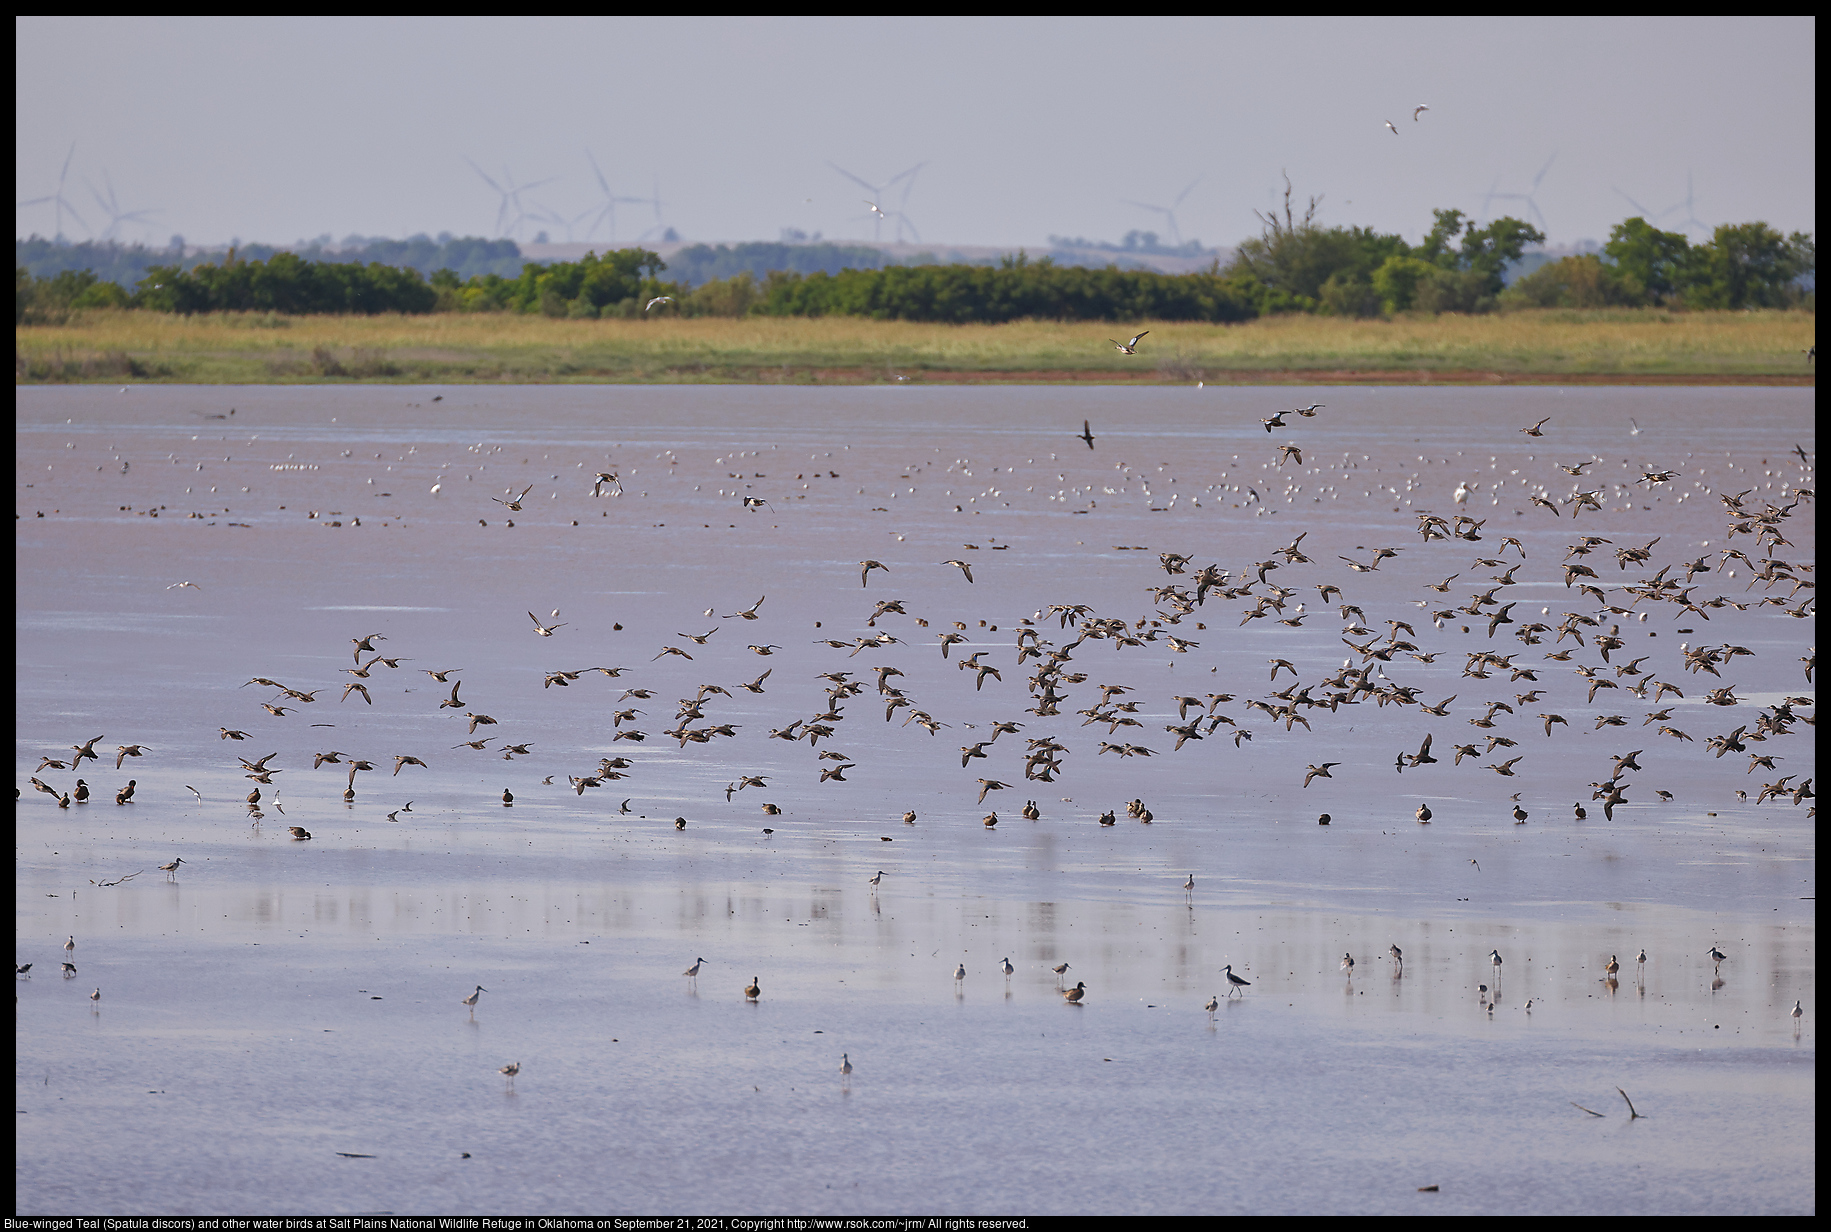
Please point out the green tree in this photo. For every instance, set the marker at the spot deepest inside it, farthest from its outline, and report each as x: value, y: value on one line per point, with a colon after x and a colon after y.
x: 1750, y: 265
x: 1649, y: 259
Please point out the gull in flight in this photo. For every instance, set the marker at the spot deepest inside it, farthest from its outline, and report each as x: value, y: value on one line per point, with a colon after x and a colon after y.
x: 659, y: 299
x: 176, y: 585
x: 1395, y: 132
x: 875, y: 210
x: 1128, y: 348
x: 1421, y: 107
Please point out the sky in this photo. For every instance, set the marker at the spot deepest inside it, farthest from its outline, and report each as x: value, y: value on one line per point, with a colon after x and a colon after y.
x: 728, y: 129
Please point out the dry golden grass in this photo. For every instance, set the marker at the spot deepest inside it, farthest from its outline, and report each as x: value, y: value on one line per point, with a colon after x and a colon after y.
x: 251, y: 348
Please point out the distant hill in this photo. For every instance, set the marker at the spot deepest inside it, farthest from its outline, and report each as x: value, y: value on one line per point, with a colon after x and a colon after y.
x: 127, y: 264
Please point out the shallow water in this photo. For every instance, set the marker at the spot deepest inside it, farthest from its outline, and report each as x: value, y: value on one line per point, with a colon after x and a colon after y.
x: 244, y: 991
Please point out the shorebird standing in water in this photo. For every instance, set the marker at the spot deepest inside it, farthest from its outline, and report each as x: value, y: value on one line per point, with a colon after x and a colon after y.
x: 1716, y: 957
x: 70, y: 946
x: 470, y: 1002
x: 1347, y: 964
x: 1613, y: 969
x: 1009, y: 970
x: 1640, y: 963
x: 692, y: 973
x: 959, y: 974
x: 877, y: 879
x: 1189, y: 887
x: 510, y: 1070
x: 1060, y: 972
x: 170, y: 870
x: 845, y: 1067
x: 1397, y: 957
x: 1234, y: 982
x: 1214, y: 1003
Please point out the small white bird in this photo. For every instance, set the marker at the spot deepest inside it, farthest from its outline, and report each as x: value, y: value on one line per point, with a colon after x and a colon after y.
x: 176, y: 585
x: 659, y: 299
x: 875, y: 210
x: 960, y: 973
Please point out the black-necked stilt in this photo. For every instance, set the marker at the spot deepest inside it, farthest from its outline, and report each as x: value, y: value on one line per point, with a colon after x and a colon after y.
x: 845, y: 1067
x: 692, y: 973
x: 1234, y: 982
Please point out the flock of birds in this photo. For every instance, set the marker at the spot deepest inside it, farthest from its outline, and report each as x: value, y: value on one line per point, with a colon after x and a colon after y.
x: 1602, y: 626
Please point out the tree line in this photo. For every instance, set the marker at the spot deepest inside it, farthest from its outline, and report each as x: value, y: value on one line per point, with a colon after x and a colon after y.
x: 1293, y: 266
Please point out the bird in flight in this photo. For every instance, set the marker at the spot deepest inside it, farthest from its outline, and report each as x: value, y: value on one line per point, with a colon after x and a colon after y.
x: 962, y: 566
x: 512, y: 505
x: 1087, y: 432
x: 1395, y: 132
x: 544, y: 630
x: 659, y: 299
x: 1415, y: 111
x: 1128, y: 348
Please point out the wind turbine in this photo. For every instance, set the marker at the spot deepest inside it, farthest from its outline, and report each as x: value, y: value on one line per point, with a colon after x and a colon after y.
x: 1169, y: 211
x: 877, y: 191
x: 112, y: 208
x: 62, y: 203
x: 1691, y: 219
x: 1532, y: 206
x: 659, y: 229
x: 609, y: 210
x: 510, y: 208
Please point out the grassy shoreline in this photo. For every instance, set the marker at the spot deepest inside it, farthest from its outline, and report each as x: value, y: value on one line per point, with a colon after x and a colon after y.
x: 1610, y: 346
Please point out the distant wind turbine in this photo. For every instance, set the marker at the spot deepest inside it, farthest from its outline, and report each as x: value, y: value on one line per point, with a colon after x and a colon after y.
x: 900, y: 215
x: 611, y: 201
x: 1169, y: 211
x: 61, y: 203
x: 112, y: 208
x: 509, y: 214
x: 1532, y: 205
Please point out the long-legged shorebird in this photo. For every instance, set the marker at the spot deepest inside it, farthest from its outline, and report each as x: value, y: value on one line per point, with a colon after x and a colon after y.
x: 96, y: 996
x: 692, y: 973
x: 510, y: 1070
x: 875, y: 881
x: 1494, y: 958
x: 1234, y: 982
x: 1397, y: 957
x: 1189, y: 887
x: 69, y: 970
x: 470, y: 1002
x: 1613, y: 969
x: 70, y: 946
x: 1214, y: 1003
x: 1716, y: 957
x: 171, y: 870
x: 845, y: 1067
x: 1640, y: 963
x: 1060, y: 972
x: 959, y: 973
x: 1007, y: 968
x: 1347, y: 964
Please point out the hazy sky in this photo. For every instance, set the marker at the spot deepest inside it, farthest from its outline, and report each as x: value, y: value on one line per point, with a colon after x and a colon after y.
x: 275, y: 129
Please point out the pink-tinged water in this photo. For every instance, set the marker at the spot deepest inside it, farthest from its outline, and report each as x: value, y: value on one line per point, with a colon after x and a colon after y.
x: 279, y: 1002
